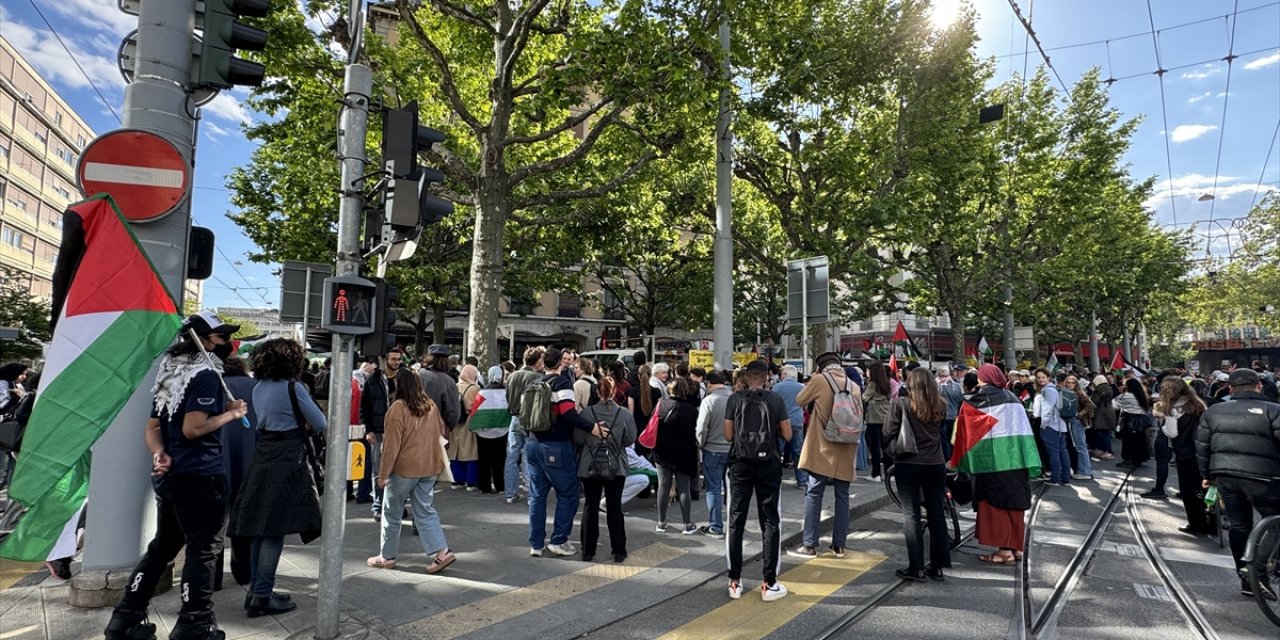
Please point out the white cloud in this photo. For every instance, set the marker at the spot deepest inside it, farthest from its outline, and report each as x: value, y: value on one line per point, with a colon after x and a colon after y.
x: 1194, y: 185
x: 55, y: 64
x: 226, y: 107
x: 213, y: 131
x: 1187, y: 132
x: 96, y: 15
x: 1263, y: 62
x: 1198, y: 98
x: 1203, y: 71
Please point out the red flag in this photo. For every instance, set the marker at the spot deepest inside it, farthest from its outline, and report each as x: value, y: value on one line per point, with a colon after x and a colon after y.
x: 1118, y: 363
x: 893, y: 363
x: 900, y: 333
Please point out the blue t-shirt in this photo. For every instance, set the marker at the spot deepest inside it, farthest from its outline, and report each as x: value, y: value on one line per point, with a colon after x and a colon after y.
x: 789, y: 390
x: 200, y: 456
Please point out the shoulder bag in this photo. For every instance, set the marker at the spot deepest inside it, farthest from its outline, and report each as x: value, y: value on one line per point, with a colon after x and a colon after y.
x: 905, y: 443
x: 312, y: 443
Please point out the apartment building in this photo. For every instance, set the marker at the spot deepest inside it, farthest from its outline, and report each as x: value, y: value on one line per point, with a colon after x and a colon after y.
x: 40, y: 142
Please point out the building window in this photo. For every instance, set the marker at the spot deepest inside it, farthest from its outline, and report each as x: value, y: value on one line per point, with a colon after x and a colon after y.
x: 4, y: 149
x: 66, y: 195
x: 12, y: 237
x: 570, y: 306
x: 80, y: 142
x: 65, y: 155
x: 57, y: 118
x: 611, y: 306
x: 521, y: 305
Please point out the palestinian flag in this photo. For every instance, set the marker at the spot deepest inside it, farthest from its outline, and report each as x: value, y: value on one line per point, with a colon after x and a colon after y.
x: 112, y: 318
x: 1120, y: 363
x: 984, y: 349
x: 903, y: 343
x: 993, y: 434
x: 1052, y: 363
x: 489, y: 410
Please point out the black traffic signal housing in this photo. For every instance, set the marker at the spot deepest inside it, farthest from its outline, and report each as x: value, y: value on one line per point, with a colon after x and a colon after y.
x: 383, y: 338
x: 218, y: 68
x: 200, y: 253
x: 409, y: 203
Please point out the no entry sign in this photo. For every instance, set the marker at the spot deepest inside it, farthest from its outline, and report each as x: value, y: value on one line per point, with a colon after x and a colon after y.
x: 142, y: 171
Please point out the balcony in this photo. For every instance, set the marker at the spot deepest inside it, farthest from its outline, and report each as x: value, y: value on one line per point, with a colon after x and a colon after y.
x: 24, y: 178
x: 21, y: 219
x: 55, y: 197
x: 30, y: 140
x: 14, y: 255
x: 43, y: 268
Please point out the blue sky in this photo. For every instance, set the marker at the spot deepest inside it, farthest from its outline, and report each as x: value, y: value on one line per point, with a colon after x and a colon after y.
x: 1075, y: 33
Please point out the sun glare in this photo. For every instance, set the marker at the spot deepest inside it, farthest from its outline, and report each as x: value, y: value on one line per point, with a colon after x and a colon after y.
x: 944, y: 12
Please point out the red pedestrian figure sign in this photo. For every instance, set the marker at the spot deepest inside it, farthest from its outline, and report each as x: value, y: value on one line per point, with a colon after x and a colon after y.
x: 349, y: 304
x: 340, y: 306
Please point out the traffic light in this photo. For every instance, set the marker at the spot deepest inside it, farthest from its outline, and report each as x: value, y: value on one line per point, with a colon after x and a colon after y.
x: 409, y: 203
x: 382, y: 339
x: 200, y: 253
x: 218, y: 68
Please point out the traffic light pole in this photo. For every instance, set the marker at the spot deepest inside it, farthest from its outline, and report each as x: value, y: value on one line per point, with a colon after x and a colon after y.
x: 156, y: 101
x: 723, y: 258
x: 354, y: 122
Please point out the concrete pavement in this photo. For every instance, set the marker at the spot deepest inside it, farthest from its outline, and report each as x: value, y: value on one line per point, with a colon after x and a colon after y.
x: 494, y: 590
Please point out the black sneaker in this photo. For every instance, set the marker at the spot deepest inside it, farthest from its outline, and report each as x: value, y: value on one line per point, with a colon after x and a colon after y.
x: 1154, y: 494
x: 270, y: 606
x: 204, y: 629
x: 127, y: 625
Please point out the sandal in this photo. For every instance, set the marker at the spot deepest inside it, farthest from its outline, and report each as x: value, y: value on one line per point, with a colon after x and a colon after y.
x: 442, y: 560
x: 998, y: 558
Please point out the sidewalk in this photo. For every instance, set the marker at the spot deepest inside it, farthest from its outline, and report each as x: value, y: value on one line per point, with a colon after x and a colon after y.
x: 494, y: 590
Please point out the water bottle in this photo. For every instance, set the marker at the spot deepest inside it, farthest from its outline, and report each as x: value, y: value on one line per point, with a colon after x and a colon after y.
x: 1211, y: 496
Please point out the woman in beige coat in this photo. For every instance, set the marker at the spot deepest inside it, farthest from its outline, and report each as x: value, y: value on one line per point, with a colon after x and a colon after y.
x: 412, y: 459
x: 464, y: 450
x: 828, y: 463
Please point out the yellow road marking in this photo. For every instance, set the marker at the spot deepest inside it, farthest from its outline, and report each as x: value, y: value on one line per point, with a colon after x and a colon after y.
x: 509, y: 604
x: 11, y: 572
x: 749, y: 618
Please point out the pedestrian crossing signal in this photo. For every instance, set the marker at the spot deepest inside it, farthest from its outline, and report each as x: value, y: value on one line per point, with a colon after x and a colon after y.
x: 355, y: 460
x: 350, y: 305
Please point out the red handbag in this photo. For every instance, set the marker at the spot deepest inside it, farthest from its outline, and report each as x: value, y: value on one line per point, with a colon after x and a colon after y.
x: 649, y: 439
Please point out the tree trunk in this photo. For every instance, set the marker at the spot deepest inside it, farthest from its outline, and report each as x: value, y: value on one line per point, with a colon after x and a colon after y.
x: 419, y: 332
x: 1080, y: 361
x: 956, y: 318
x: 486, y: 271
x: 437, y: 323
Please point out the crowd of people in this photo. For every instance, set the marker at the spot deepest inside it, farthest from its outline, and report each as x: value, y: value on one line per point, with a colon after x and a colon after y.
x: 561, y: 424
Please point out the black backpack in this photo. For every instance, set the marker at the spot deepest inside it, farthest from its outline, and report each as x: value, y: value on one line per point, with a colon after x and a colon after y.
x: 754, y: 436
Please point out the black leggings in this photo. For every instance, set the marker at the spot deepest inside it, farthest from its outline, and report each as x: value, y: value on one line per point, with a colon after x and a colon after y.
x: 492, y: 453
x: 875, y: 449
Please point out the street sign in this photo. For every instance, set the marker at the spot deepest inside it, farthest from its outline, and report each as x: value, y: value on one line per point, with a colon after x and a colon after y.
x: 350, y: 305
x: 144, y: 173
x: 1024, y: 338
x: 302, y: 291
x: 809, y: 275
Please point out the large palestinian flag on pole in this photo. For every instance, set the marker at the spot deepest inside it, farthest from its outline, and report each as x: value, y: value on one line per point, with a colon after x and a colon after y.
x: 993, y: 434
x: 112, y: 318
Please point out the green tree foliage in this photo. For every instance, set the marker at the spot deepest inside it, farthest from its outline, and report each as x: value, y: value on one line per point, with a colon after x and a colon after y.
x: 30, y: 316
x: 1236, y: 290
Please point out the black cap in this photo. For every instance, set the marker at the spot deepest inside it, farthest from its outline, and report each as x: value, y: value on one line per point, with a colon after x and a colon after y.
x: 824, y: 359
x: 438, y: 350
x: 1243, y: 378
x: 959, y: 366
x: 715, y: 377
x: 206, y: 323
x: 757, y: 366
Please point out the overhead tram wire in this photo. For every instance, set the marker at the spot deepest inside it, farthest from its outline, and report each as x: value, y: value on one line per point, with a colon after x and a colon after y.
x: 1026, y: 24
x: 1263, y: 174
x: 1130, y: 36
x: 1164, y: 112
x: 1222, y: 127
x: 74, y: 61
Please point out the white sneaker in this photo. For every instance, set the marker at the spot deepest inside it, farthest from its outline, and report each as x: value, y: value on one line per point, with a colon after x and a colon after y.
x: 566, y: 549
x: 735, y: 590
x: 512, y: 499
x: 661, y: 528
x: 1081, y: 476
x: 776, y: 592
x: 876, y: 479
x: 537, y: 553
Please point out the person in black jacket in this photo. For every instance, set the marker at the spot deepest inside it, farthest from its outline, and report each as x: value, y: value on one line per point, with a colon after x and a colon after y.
x: 1179, y: 411
x: 1238, y: 447
x: 374, y: 401
x: 676, y: 451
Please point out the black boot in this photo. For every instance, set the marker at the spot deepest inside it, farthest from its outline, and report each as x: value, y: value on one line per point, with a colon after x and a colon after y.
x: 270, y: 606
x: 130, y: 625
x: 248, y: 598
x: 204, y: 627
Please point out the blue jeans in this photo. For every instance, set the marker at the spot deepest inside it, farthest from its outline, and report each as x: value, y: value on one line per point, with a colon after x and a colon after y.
x: 813, y: 510
x: 713, y: 465
x: 425, y: 516
x: 511, y: 473
x: 264, y: 557
x: 552, y: 465
x: 1083, y: 464
x: 862, y: 452
x: 1059, y: 461
x: 797, y: 441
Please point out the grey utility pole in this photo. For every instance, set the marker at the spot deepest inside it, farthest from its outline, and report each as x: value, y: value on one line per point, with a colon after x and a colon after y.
x: 357, y: 85
x: 1095, y: 363
x: 156, y: 101
x: 723, y: 261
x: 1010, y: 353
